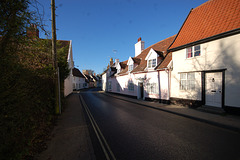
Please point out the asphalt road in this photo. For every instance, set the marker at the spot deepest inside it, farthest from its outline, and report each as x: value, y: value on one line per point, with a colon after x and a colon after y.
x: 135, y: 132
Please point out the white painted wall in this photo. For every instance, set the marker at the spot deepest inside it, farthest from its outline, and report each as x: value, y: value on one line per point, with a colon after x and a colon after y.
x: 68, y: 86
x: 219, y: 54
x: 164, y: 85
x: 139, y: 47
x: 104, y: 81
x: 78, y: 82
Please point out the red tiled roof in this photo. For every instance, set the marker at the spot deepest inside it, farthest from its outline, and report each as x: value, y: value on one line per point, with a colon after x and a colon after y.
x: 209, y: 19
x: 77, y: 73
x: 160, y: 47
x: 123, y: 67
x: 136, y: 60
x: 165, y: 62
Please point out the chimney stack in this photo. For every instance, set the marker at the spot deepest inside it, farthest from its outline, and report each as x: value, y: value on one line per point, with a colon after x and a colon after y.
x: 139, y: 46
x: 116, y: 61
x: 111, y: 62
x: 32, y: 31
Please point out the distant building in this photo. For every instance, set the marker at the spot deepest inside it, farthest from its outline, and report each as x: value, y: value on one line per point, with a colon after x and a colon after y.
x: 88, y: 72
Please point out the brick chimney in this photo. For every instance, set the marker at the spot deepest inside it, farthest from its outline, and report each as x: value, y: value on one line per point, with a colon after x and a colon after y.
x: 32, y: 31
x: 111, y: 62
x: 139, y: 46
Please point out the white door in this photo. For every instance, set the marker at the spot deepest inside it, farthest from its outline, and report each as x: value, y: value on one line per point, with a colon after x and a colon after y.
x: 214, y: 89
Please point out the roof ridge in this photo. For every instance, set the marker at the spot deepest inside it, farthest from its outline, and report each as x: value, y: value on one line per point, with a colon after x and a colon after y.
x: 157, y: 43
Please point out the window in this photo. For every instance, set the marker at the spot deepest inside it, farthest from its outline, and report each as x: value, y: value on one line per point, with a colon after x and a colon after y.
x: 197, y: 51
x: 130, y: 86
x: 152, y: 63
x: 187, y: 81
x: 189, y: 52
x: 110, y: 85
x: 130, y: 67
x: 74, y: 86
x: 151, y: 88
x: 118, y: 87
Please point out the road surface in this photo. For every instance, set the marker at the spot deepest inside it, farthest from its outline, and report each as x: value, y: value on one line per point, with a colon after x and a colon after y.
x: 135, y: 132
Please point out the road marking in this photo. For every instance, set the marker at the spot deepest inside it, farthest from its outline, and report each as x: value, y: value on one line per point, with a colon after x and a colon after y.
x: 105, y: 147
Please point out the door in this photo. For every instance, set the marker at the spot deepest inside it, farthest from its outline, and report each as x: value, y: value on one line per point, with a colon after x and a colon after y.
x: 140, y: 85
x: 214, y: 89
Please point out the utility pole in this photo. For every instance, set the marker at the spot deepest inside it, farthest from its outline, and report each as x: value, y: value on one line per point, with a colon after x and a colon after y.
x: 55, y: 65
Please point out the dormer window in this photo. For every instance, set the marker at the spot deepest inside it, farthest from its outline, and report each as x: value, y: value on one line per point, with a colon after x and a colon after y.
x: 193, y: 51
x: 130, y: 67
x: 152, y: 63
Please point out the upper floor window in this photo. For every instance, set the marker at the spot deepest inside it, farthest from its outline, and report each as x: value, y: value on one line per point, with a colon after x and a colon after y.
x: 193, y: 51
x: 152, y: 63
x: 130, y: 67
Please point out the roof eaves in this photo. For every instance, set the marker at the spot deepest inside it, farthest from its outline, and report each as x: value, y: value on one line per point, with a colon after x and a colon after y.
x: 215, y: 37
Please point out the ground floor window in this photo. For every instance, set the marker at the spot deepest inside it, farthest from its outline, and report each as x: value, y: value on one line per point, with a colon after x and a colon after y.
x: 187, y: 81
x: 151, y: 88
x: 110, y: 85
x: 130, y: 86
x: 74, y: 86
x: 118, y: 87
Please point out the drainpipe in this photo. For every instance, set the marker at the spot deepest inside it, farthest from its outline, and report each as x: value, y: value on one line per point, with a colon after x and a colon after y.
x: 159, y: 87
x: 169, y: 84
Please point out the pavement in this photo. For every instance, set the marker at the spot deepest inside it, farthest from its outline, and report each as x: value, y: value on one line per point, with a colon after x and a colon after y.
x: 71, y: 140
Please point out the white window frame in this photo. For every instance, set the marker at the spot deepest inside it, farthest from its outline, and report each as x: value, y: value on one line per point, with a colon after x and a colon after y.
x: 151, y: 64
x: 194, y: 50
x: 151, y: 88
x: 187, y: 81
x: 130, y: 67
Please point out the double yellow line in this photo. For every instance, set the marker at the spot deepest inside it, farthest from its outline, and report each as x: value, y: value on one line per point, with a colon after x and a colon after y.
x: 105, y: 147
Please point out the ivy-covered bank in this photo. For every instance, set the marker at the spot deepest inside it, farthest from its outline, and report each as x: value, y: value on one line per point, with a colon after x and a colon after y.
x: 26, y: 83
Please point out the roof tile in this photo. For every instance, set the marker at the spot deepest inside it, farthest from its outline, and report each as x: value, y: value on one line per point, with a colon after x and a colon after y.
x: 209, y: 19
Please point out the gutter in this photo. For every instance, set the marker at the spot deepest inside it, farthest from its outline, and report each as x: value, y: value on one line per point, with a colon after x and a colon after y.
x: 208, y: 39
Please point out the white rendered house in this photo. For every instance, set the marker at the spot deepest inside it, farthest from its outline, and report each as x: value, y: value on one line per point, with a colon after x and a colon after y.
x: 68, y: 86
x: 139, y: 76
x: 206, y: 56
x: 78, y: 79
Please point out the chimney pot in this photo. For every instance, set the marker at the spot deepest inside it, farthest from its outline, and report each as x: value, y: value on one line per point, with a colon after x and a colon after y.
x: 111, y: 61
x: 139, y: 39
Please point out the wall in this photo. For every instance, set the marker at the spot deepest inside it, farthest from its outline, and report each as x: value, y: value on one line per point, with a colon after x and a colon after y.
x: 164, y: 85
x: 104, y: 81
x: 219, y: 54
x: 68, y: 87
x: 78, y: 81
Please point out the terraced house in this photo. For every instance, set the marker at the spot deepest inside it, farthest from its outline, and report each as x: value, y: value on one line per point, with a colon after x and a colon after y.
x: 199, y: 66
x: 144, y: 76
x: 206, y: 56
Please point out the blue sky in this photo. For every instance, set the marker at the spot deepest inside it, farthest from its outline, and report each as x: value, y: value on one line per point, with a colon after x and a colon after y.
x: 100, y: 29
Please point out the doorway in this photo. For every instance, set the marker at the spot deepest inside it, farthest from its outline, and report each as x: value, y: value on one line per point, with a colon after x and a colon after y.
x: 213, y: 89
x: 141, y: 90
